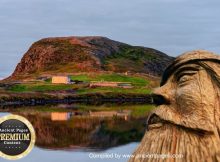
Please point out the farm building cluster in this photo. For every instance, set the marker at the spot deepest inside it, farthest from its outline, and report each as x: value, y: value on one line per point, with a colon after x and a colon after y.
x: 67, y: 80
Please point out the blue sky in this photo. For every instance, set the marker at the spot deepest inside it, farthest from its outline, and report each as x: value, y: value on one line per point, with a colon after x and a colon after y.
x: 171, y: 26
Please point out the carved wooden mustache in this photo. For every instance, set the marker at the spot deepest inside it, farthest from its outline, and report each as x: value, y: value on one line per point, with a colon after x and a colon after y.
x: 187, y: 118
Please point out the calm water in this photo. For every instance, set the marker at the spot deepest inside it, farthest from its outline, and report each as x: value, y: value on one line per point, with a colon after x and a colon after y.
x: 39, y: 154
x: 79, y: 135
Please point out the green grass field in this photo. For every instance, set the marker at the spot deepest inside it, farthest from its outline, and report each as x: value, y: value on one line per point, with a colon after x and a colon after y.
x: 139, y: 84
x: 137, y: 90
x: 136, y: 81
x: 40, y: 87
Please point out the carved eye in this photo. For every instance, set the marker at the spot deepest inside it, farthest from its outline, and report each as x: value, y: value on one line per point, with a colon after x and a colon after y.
x: 183, y: 78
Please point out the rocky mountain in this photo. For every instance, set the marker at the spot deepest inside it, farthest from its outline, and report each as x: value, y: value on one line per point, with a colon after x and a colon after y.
x: 88, y: 54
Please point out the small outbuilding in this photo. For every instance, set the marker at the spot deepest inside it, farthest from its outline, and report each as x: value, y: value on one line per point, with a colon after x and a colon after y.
x: 111, y: 84
x: 61, y: 80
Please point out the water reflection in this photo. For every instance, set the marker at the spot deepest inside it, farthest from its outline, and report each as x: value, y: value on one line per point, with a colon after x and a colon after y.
x: 92, y: 130
x: 61, y: 116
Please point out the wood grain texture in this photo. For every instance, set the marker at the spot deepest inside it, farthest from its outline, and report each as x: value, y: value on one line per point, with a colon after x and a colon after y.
x: 187, y: 118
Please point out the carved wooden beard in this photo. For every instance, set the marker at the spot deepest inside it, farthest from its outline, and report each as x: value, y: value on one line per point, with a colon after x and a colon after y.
x: 186, y: 121
x: 186, y: 145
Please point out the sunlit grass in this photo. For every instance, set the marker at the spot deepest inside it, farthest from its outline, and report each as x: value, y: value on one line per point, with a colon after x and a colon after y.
x: 139, y: 85
x: 40, y: 87
x: 136, y: 81
x: 136, y: 90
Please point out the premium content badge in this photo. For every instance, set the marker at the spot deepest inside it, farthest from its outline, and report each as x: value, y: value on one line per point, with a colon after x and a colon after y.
x: 17, y: 137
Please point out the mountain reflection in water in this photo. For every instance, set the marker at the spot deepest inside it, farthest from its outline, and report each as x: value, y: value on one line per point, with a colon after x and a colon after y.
x: 94, y: 130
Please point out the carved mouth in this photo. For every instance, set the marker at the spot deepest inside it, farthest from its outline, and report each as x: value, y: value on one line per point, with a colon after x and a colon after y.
x: 154, y: 121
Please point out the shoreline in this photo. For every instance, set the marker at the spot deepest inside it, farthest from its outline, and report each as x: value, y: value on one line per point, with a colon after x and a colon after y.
x: 90, y: 99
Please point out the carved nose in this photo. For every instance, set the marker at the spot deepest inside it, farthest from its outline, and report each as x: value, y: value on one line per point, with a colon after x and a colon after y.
x: 159, y: 100
x: 160, y: 97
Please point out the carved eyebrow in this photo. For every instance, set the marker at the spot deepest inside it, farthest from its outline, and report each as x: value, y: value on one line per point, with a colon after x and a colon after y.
x: 188, y: 69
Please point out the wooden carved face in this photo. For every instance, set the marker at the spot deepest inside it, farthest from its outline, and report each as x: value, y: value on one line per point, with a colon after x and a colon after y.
x: 186, y: 120
x: 188, y: 99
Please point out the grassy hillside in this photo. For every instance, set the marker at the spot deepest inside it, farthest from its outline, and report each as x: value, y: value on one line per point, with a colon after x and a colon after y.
x: 133, y: 56
x: 72, y: 55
